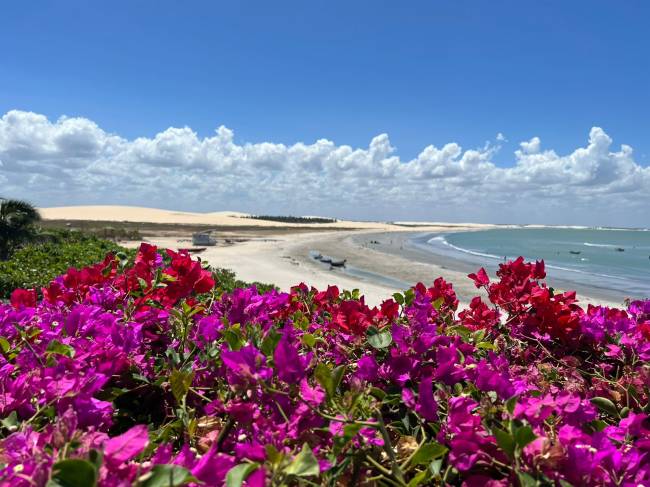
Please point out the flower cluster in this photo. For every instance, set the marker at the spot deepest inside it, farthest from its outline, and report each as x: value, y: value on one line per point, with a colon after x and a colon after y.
x: 143, y: 373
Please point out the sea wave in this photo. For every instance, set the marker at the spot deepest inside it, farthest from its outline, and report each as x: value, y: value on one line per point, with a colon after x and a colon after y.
x: 443, y: 240
x: 609, y: 246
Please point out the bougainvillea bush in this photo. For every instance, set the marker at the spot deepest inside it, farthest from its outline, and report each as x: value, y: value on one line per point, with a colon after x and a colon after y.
x: 147, y: 373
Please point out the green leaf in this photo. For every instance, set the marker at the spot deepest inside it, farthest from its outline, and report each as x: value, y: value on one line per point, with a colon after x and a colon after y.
x: 4, y: 345
x: 436, y: 466
x: 11, y: 421
x: 398, y: 298
x: 505, y: 441
x: 74, y: 472
x: 409, y: 296
x: 486, y: 346
x: 270, y: 342
x: 478, y: 335
x: 166, y: 476
x: 524, y: 436
x: 96, y: 457
x: 237, y: 474
x: 56, y: 347
x: 273, y: 456
x: 605, y: 405
x: 323, y: 375
x: 420, y: 479
x: 329, y: 379
x: 428, y: 452
x: 234, y: 337
x: 308, y: 339
x: 437, y: 304
x: 598, y: 425
x: 526, y: 480
x: 142, y: 283
x: 350, y: 431
x: 379, y: 338
x: 337, y: 376
x: 511, y: 403
x: 377, y: 393
x: 304, y: 464
x: 180, y: 382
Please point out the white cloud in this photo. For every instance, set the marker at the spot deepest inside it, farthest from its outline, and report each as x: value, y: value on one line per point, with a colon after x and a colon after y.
x: 73, y: 161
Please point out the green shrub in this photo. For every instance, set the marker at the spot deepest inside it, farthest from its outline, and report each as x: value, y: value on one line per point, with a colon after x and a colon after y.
x: 36, y: 264
x: 227, y: 282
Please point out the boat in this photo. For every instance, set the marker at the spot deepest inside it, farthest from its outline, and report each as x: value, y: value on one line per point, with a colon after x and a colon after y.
x: 202, y: 239
x: 194, y: 250
x: 338, y: 262
x: 574, y: 252
x: 620, y: 249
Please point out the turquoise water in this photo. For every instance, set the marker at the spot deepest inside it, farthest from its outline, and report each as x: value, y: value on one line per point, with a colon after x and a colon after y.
x: 609, y: 259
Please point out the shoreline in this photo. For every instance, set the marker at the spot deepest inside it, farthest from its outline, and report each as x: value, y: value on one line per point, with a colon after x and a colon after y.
x: 382, y: 258
x: 378, y: 270
x: 450, y: 264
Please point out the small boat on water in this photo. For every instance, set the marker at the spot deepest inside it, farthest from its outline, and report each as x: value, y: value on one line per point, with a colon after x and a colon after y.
x: 338, y: 262
x: 620, y: 249
x: 574, y: 252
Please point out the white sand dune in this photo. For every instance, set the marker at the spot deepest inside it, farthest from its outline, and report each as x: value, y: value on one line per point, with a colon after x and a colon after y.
x: 219, y: 218
x: 154, y: 215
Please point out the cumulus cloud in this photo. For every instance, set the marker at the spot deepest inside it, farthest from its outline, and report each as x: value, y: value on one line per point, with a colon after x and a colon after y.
x: 74, y: 161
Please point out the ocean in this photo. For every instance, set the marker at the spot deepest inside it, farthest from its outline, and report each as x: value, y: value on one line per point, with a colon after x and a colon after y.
x: 609, y: 259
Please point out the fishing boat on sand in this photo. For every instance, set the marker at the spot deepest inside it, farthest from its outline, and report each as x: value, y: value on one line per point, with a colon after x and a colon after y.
x: 203, y: 239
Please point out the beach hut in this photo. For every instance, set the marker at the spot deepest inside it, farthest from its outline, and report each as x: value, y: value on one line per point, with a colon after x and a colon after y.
x: 203, y: 238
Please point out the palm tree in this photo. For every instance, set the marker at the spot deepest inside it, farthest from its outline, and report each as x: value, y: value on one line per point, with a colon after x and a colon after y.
x: 17, y: 220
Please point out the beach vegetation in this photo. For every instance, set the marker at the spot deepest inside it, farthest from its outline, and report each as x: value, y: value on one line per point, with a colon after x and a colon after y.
x: 293, y: 219
x: 17, y: 225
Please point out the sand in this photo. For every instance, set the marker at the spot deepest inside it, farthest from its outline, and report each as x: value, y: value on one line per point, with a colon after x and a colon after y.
x: 284, y: 261
x: 220, y: 218
x: 380, y: 261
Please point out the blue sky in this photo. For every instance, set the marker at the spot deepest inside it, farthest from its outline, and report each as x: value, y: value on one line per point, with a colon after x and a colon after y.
x: 424, y: 72
x: 293, y: 71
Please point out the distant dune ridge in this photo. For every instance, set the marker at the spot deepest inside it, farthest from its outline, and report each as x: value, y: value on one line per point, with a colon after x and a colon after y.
x: 220, y: 218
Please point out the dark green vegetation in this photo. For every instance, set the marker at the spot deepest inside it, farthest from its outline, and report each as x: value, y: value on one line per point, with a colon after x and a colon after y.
x: 52, y: 253
x: 48, y: 255
x: 227, y: 281
x: 293, y: 219
x: 17, y: 220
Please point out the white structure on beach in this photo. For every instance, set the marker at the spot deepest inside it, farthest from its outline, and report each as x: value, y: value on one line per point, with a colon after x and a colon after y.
x: 203, y: 238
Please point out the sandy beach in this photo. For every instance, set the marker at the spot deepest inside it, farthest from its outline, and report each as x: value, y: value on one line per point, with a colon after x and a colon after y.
x: 380, y: 257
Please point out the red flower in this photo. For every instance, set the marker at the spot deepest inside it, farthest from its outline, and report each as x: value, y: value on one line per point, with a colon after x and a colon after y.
x: 23, y: 298
x: 479, y: 315
x: 389, y: 309
x: 480, y: 278
x: 441, y: 289
x: 353, y: 316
